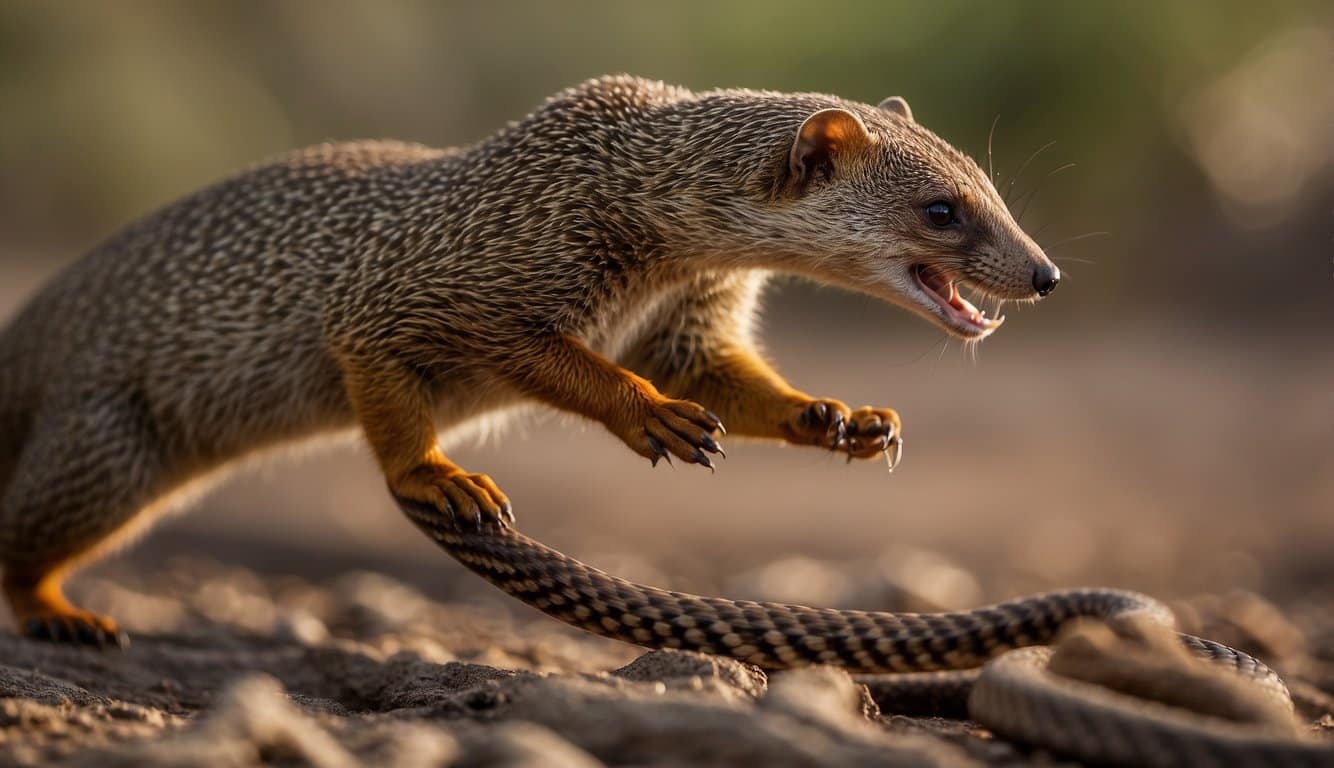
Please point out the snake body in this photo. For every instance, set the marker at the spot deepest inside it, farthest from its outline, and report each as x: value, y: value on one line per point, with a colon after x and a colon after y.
x: 980, y: 658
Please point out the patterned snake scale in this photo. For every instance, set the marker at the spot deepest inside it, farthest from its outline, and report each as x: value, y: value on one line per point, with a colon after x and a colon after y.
x: 936, y: 655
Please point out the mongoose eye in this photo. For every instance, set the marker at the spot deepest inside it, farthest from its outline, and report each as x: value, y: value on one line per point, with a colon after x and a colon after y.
x: 940, y: 214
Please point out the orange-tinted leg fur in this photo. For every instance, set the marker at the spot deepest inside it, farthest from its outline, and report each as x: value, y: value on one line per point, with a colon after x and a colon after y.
x: 568, y: 375
x: 754, y: 400
x: 42, y: 610
x: 395, y: 413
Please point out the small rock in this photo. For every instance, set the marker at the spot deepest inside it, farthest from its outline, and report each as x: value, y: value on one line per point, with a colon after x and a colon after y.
x: 920, y: 580
x: 121, y: 710
x: 22, y: 713
x: 689, y: 669
x: 377, y: 603
x: 527, y: 745
x: 254, y: 723
x: 821, y: 694
x: 407, y: 681
x: 404, y: 745
x: 301, y: 626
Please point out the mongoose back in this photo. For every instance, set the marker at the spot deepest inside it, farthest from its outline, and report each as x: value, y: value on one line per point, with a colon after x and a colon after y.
x: 625, y: 225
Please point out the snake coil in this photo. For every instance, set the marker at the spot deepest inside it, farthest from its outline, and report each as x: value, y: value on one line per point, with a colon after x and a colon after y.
x: 981, y: 657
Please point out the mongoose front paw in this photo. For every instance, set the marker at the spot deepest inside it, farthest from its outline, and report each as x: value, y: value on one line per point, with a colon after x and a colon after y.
x: 467, y: 496
x: 676, y: 428
x: 73, y: 626
x: 860, y: 434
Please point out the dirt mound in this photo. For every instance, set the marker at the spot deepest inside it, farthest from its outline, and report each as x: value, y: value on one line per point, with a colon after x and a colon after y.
x: 230, y: 669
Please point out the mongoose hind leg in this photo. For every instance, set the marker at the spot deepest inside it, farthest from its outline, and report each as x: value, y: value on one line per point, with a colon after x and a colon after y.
x: 567, y: 374
x: 394, y: 408
x: 444, y: 485
x: 35, y: 593
x: 89, y: 468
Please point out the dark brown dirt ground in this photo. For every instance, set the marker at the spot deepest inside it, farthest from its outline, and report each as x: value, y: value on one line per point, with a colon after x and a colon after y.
x: 231, y: 668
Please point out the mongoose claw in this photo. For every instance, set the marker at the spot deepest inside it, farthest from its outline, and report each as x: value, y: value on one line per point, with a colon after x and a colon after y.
x: 462, y: 497
x: 483, y: 520
x: 873, y: 431
x: 817, y: 413
x: 436, y: 522
x: 894, y: 452
x: 677, y: 428
x: 818, y: 422
x: 659, y: 451
x: 840, y: 432
x: 860, y: 434
x: 76, y: 629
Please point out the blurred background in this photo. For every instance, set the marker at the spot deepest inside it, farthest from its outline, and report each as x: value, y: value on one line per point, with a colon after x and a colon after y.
x: 1163, y: 422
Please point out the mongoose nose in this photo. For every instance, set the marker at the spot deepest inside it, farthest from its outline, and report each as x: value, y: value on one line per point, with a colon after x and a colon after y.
x: 1046, y: 278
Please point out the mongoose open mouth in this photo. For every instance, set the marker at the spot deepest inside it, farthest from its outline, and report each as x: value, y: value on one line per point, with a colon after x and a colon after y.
x: 941, y: 289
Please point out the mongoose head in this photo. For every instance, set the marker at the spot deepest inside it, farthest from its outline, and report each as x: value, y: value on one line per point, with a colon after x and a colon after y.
x: 890, y: 209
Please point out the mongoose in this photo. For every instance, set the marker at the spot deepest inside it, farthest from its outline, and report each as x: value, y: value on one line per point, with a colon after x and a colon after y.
x: 604, y: 255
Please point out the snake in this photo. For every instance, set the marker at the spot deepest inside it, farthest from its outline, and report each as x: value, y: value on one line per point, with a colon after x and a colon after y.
x: 989, y: 663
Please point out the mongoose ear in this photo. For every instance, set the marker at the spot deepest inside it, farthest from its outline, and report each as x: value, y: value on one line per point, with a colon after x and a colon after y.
x: 825, y: 135
x: 898, y: 105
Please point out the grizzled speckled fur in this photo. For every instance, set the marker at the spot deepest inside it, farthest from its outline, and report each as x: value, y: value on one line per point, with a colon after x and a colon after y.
x: 407, y: 289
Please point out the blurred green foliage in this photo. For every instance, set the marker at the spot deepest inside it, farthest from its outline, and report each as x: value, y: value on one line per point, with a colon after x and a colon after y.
x: 113, y: 108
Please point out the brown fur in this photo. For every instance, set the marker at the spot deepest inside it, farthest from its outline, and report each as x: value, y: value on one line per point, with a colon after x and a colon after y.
x: 407, y: 289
